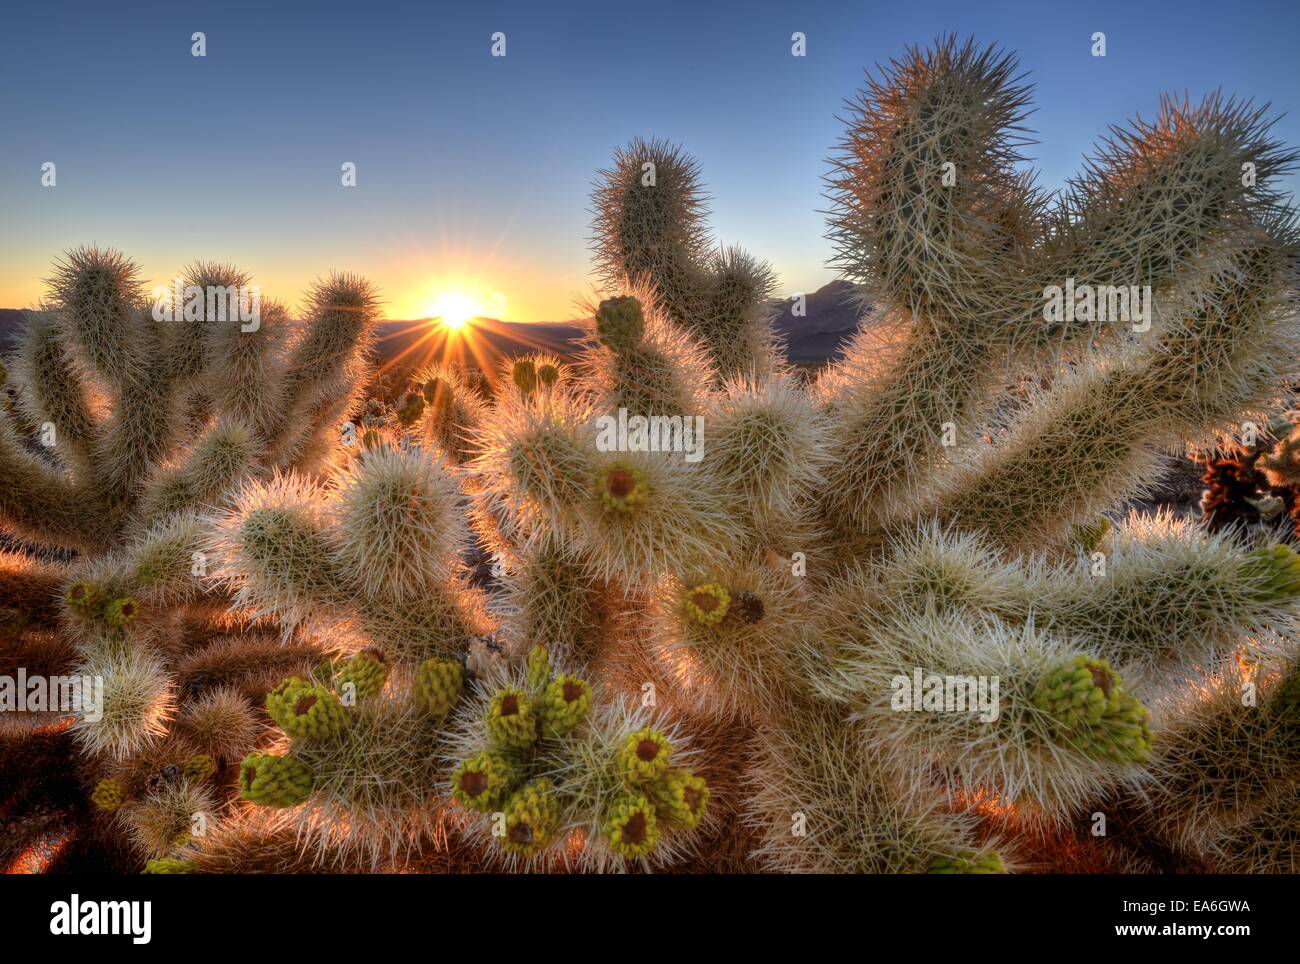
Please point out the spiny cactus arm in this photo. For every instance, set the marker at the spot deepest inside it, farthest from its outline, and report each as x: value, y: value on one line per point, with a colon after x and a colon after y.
x: 226, y: 453
x: 39, y: 501
x: 165, y: 564
x: 50, y: 390
x: 1157, y: 196
x: 554, y: 598
x: 242, y: 368
x: 652, y: 232
x: 1268, y: 844
x: 1089, y: 442
x: 1060, y: 727
x: 823, y: 803
x: 1162, y: 598
x: 342, y: 310
x: 1226, y: 745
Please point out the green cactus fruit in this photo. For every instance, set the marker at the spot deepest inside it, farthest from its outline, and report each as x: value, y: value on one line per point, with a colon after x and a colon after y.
x: 620, y: 323
x: 83, y: 599
x: 564, y: 704
x: 622, y: 488
x: 511, y: 723
x: 968, y: 862
x: 1092, y: 536
x: 199, y: 767
x: 438, y: 685
x: 547, y: 375
x: 121, y: 612
x: 1277, y: 570
x: 644, y: 756
x: 483, y: 781
x: 108, y: 794
x: 274, y: 781
x: 524, y: 375
x: 708, y: 603
x: 170, y: 865
x: 532, y: 817
x: 631, y: 826
x: 364, y: 673
x: 1092, y: 712
x: 539, y: 668
x: 680, y: 796
x: 305, y: 711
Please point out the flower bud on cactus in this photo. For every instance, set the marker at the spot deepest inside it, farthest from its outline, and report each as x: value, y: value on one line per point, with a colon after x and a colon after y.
x: 274, y: 781
x: 708, y: 603
x: 524, y: 375
x: 644, y: 756
x: 563, y: 705
x: 532, y: 816
x: 970, y: 862
x: 539, y: 668
x: 438, y: 685
x: 305, y: 711
x: 366, y: 673
x: 170, y: 865
x: 1093, y: 713
x: 547, y: 375
x: 1278, y: 571
x: 121, y: 612
x: 483, y: 781
x: 682, y: 797
x: 108, y: 794
x: 620, y: 323
x: 511, y: 723
x: 83, y: 599
x: 622, y: 487
x: 631, y: 826
x: 199, y: 767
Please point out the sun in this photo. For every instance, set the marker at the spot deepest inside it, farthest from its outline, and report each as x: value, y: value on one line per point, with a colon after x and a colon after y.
x: 454, y: 309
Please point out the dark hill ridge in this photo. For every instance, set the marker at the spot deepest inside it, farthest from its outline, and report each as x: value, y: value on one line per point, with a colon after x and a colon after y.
x: 832, y: 315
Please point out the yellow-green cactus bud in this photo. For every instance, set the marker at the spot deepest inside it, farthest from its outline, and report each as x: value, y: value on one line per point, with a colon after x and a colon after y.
x: 622, y: 488
x: 1092, y: 536
x: 968, y: 862
x: 644, y: 756
x: 169, y: 865
x: 1277, y: 571
x: 360, y: 676
x: 83, y: 598
x: 524, y: 375
x: 547, y: 375
x: 620, y: 323
x: 121, y: 612
x: 305, y: 711
x: 631, y: 826
x: 708, y: 603
x: 532, y: 817
x: 682, y: 797
x: 274, y: 781
x: 1092, y: 712
x: 511, y: 723
x: 539, y: 668
x: 108, y: 794
x: 438, y: 685
x: 563, y: 705
x: 199, y: 767
x: 483, y: 781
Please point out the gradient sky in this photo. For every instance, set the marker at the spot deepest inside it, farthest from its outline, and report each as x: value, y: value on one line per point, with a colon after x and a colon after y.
x: 473, y: 171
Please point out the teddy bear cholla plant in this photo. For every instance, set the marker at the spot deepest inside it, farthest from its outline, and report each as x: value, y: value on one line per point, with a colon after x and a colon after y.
x: 966, y: 561
x: 118, y: 430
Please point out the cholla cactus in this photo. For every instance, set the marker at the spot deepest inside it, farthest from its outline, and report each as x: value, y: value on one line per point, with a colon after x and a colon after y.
x: 124, y: 419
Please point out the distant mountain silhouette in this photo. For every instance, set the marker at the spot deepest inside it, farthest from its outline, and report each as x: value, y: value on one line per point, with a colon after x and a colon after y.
x: 405, y: 346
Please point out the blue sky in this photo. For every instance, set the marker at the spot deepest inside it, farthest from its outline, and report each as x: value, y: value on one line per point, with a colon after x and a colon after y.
x: 475, y: 171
